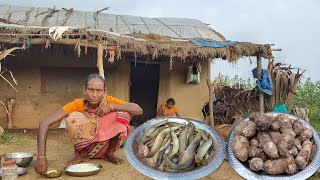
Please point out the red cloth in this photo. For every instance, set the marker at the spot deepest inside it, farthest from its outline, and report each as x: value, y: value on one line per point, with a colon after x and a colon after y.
x: 108, y: 127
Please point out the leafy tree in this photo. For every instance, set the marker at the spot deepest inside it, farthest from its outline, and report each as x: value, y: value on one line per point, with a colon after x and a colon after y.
x: 308, y: 95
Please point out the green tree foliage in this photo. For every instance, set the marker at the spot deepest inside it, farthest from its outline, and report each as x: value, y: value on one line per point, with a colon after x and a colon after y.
x: 308, y: 95
x: 236, y: 80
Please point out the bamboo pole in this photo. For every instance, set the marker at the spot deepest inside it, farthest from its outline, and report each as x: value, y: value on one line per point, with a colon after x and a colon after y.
x: 259, y: 72
x: 210, y: 86
x: 100, y: 60
x: 276, y: 49
x: 39, y: 41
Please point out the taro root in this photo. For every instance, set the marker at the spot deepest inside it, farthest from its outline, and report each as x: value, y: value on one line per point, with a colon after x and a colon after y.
x: 256, y: 164
x: 263, y: 123
x: 240, y: 147
x: 273, y: 144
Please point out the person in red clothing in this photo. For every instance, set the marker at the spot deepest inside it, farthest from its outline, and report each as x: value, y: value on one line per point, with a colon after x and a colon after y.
x: 96, y: 124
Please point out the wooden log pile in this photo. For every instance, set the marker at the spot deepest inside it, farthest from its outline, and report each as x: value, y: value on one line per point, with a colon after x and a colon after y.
x: 241, y: 101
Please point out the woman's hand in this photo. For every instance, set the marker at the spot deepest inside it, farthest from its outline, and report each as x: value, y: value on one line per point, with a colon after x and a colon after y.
x: 103, y: 109
x: 41, y: 165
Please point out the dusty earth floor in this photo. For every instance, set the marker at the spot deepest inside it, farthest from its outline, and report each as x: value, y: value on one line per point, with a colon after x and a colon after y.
x: 60, y: 150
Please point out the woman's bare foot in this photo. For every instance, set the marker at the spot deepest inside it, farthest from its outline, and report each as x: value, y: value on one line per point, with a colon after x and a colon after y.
x: 112, y: 158
x: 82, y: 157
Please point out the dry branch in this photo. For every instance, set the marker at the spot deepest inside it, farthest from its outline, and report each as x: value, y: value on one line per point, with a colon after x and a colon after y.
x: 9, y: 107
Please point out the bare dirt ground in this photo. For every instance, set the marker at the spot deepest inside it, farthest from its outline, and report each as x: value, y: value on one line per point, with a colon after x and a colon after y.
x: 60, y: 150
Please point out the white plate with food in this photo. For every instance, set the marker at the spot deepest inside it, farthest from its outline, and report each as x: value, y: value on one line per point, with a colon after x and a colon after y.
x: 84, y: 169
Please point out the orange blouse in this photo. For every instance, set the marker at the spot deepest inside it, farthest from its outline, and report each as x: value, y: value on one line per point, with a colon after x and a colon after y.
x: 168, y: 112
x: 78, y: 104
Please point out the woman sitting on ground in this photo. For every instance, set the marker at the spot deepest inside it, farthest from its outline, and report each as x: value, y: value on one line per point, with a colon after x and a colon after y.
x: 168, y: 110
x: 96, y: 125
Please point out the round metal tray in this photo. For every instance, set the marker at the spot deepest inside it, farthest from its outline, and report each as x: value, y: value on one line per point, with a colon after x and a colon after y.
x: 82, y: 173
x: 246, y: 173
x: 132, y: 152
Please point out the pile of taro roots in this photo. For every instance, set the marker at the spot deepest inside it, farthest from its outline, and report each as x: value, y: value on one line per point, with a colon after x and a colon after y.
x: 273, y: 144
x: 175, y: 147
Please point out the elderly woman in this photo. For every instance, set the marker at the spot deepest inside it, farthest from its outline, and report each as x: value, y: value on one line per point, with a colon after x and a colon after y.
x: 168, y: 110
x: 96, y: 124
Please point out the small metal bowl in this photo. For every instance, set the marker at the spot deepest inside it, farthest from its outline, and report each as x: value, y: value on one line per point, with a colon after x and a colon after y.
x: 140, y: 164
x: 79, y: 171
x: 53, y: 174
x: 23, y: 159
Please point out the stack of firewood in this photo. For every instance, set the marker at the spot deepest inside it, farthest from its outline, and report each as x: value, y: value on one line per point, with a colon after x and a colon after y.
x: 243, y: 101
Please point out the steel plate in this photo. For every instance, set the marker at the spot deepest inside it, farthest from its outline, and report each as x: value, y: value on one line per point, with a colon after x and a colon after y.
x: 82, y: 173
x: 246, y: 173
x: 132, y: 153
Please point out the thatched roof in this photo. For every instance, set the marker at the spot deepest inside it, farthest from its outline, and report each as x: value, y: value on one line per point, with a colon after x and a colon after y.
x: 121, y: 33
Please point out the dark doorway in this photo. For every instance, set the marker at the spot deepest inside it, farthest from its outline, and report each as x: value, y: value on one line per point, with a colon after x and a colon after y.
x: 144, y: 90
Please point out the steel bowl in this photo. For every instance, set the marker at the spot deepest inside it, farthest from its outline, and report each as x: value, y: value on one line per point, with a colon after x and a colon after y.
x: 132, y: 152
x: 70, y: 169
x: 246, y: 172
x: 23, y: 159
x: 20, y: 171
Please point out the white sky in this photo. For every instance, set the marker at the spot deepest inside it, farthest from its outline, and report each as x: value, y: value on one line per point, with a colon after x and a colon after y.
x: 292, y: 25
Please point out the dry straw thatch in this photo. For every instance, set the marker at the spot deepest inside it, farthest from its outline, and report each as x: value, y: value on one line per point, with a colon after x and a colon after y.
x: 28, y: 26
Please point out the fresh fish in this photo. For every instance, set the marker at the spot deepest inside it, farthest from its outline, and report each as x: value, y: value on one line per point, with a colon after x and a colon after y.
x: 158, y: 155
x: 169, y: 149
x: 148, y: 132
x: 162, y: 165
x: 175, y: 144
x: 191, y: 138
x: 160, y: 159
x: 199, y: 162
x: 155, y: 159
x: 158, y: 141
x: 166, y: 143
x: 203, y: 149
x: 182, y: 141
x: 174, y: 124
x: 188, y: 155
x: 154, y: 133
x: 143, y: 150
x: 190, y: 133
x: 174, y: 167
x: 203, y: 133
x: 150, y: 142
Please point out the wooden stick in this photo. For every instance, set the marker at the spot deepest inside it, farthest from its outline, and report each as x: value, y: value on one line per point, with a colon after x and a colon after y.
x: 210, y: 86
x: 100, y: 60
x: 7, y: 52
x: 10, y: 103
x: 5, y: 107
x: 276, y: 49
x: 9, y: 83
x: 261, y: 98
x: 293, y: 87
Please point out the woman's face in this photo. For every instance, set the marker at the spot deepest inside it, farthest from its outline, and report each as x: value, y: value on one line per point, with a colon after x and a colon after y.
x: 170, y: 105
x: 94, y: 92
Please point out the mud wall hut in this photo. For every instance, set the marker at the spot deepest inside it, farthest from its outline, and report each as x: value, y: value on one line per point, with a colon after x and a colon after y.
x: 144, y: 60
